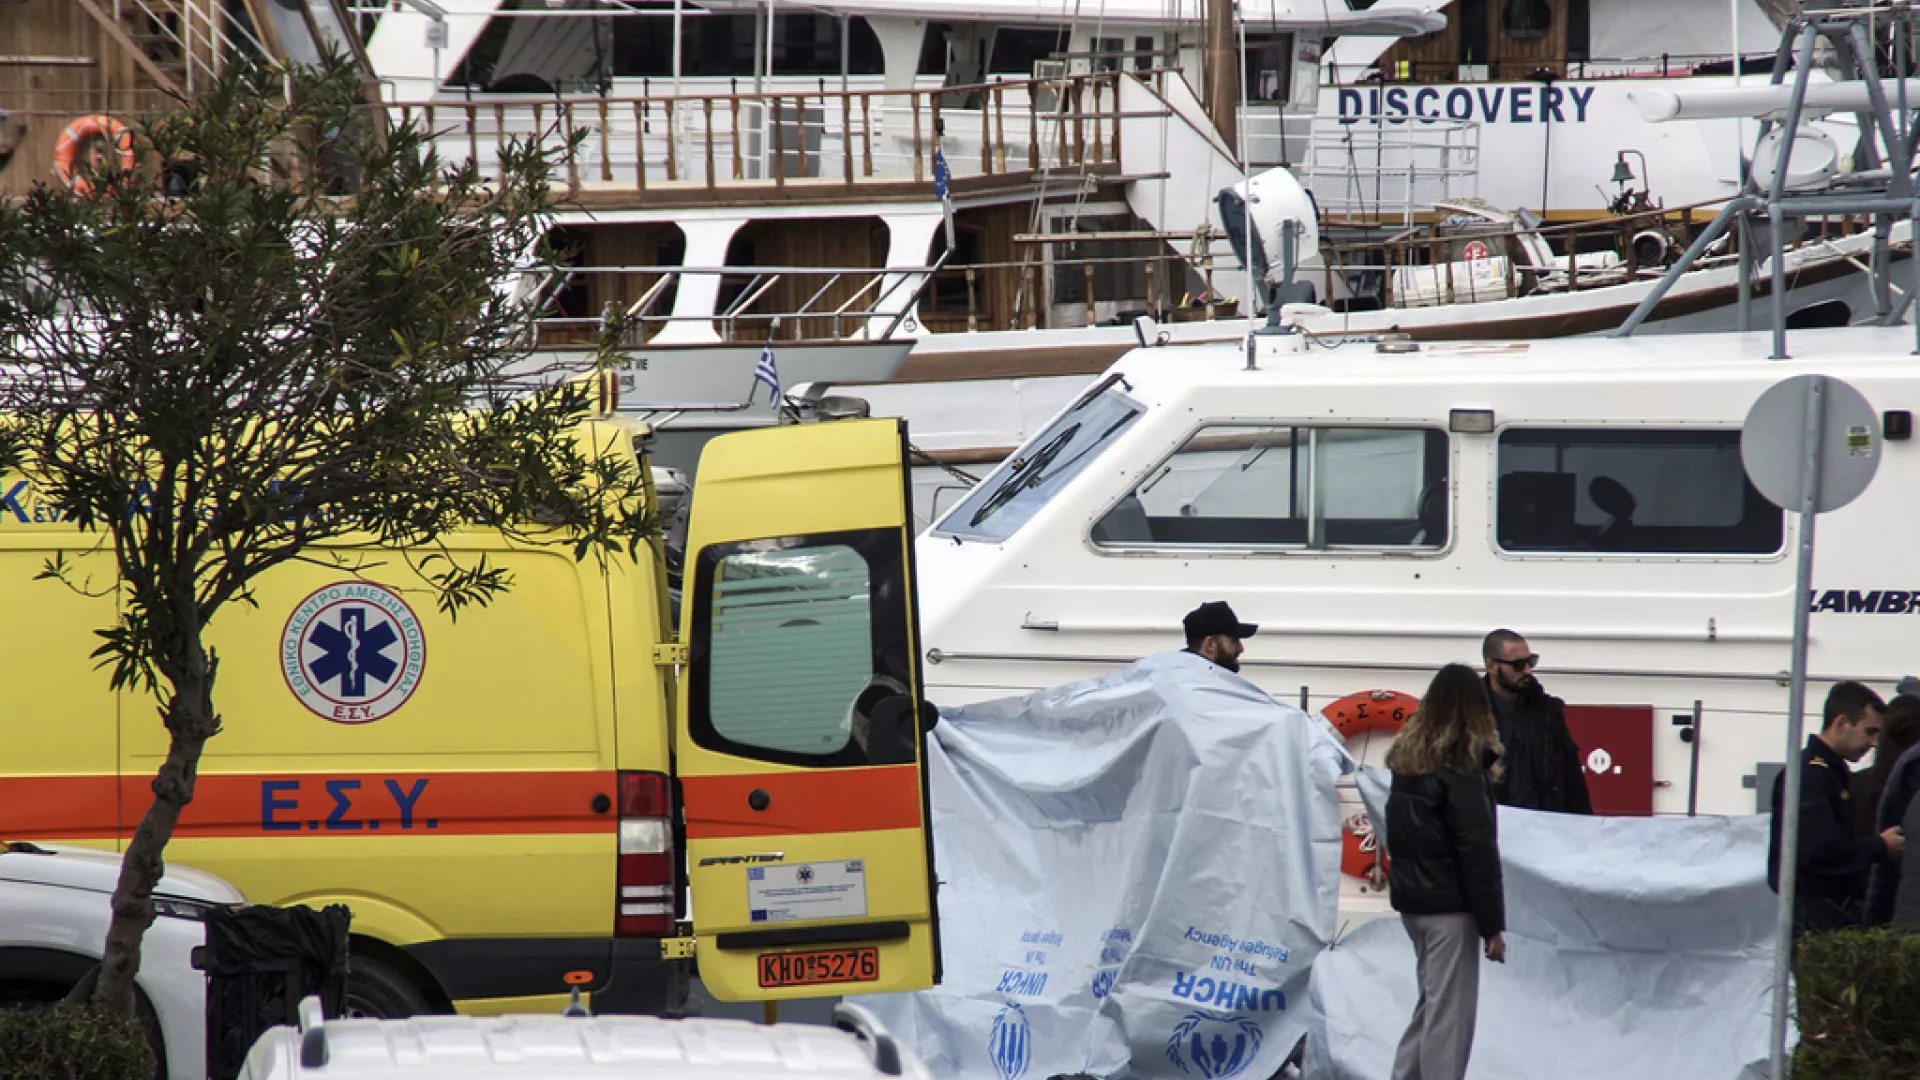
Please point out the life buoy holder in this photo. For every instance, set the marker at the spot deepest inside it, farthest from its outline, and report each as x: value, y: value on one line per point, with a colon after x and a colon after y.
x: 76, y: 136
x: 1357, y: 714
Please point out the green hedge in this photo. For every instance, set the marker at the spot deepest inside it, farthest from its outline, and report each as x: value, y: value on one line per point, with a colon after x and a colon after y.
x: 1859, y: 1005
x: 72, y: 1042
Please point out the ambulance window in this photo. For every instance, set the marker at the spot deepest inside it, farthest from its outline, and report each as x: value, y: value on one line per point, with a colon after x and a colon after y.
x: 1287, y: 486
x: 1630, y: 491
x: 796, y: 640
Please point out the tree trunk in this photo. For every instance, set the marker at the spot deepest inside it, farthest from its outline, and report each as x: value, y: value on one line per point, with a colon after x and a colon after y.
x: 190, y: 720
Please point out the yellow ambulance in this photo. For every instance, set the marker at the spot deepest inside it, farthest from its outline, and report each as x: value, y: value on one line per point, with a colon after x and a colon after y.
x: 523, y: 798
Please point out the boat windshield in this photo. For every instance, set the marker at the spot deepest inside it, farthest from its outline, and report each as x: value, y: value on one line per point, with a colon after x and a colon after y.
x: 1049, y: 461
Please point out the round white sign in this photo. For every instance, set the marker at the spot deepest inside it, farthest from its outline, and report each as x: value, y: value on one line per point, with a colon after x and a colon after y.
x: 1775, y: 450
x: 353, y: 652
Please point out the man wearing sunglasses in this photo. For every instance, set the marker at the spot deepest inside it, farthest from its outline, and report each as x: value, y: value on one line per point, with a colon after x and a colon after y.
x: 1543, y: 765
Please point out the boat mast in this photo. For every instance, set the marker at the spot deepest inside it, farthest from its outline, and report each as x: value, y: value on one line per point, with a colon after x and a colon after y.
x: 1223, y: 76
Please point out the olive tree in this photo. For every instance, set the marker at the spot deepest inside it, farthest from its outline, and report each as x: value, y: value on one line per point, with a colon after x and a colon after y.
x: 281, y: 336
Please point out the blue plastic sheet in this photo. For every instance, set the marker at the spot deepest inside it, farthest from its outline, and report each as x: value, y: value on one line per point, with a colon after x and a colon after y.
x: 1636, y: 947
x: 1136, y: 873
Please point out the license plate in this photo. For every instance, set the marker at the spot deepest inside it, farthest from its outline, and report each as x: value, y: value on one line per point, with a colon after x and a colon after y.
x: 824, y: 966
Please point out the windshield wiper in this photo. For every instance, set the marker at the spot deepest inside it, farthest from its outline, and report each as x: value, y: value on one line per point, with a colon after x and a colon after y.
x: 1084, y: 451
x: 1019, y: 476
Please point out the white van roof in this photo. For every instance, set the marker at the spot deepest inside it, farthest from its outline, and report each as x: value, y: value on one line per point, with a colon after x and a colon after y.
x: 556, y: 1047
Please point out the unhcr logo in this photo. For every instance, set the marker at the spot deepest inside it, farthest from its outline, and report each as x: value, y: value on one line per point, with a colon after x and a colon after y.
x: 1213, y: 1045
x: 1010, y: 1043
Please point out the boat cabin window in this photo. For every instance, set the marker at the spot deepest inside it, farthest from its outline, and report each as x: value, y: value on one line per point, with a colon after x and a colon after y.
x: 1014, y: 492
x: 1016, y: 48
x: 1640, y: 491
x: 1269, y: 68
x: 1287, y: 486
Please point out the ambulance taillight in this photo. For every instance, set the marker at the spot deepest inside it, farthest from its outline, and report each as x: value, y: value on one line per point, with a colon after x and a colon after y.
x: 646, y: 872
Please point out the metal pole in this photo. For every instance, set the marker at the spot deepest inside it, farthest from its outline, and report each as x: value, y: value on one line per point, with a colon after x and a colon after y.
x: 1776, y: 189
x: 1693, y: 767
x: 1546, y: 161
x: 760, y: 39
x: 1246, y: 169
x: 1746, y: 274
x: 1739, y: 126
x: 1913, y: 256
x: 1815, y: 422
x: 678, y: 10
x: 770, y: 34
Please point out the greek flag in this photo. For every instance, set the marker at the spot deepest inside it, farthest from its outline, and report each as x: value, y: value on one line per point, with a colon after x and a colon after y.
x: 765, y: 372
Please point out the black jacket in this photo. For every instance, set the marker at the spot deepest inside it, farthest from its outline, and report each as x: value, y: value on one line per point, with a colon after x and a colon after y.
x: 1883, y: 880
x: 1833, y: 856
x: 1906, y: 906
x: 1444, y: 845
x: 1543, y: 763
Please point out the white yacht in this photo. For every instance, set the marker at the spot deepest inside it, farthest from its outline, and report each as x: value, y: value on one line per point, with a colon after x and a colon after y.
x: 764, y: 174
x: 1378, y: 513
x: 1378, y: 507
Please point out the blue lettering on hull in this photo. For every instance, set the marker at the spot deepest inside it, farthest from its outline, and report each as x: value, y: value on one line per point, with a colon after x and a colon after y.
x: 1486, y: 104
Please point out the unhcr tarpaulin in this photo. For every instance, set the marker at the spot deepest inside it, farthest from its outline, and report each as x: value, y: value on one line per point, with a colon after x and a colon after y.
x: 1135, y: 871
x: 1635, y: 947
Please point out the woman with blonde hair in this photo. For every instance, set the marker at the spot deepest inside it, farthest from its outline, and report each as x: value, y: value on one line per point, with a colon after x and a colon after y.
x: 1445, y: 854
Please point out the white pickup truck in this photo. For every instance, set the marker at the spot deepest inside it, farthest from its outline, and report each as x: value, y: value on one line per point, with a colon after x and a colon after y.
x: 576, y: 1046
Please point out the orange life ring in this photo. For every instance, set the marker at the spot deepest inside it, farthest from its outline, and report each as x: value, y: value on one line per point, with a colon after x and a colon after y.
x: 77, y: 135
x: 1357, y: 714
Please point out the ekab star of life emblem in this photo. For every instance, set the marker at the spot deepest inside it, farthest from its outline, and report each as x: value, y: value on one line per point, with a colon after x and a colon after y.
x: 353, y: 652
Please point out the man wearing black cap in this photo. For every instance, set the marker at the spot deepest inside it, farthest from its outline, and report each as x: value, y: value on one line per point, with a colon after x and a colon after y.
x: 1215, y: 632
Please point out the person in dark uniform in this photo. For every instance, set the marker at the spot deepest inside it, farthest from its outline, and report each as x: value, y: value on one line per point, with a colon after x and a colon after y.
x: 1834, y: 854
x: 1215, y: 632
x: 1542, y: 762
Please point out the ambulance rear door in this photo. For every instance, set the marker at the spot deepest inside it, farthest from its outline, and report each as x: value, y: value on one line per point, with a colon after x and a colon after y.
x: 798, y: 738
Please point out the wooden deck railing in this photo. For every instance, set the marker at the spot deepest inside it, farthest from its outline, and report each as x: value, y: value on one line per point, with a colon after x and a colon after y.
x: 785, y: 135
x: 1430, y: 246
x: 827, y: 305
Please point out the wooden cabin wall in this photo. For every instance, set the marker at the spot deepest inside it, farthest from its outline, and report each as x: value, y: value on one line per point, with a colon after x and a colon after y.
x: 61, y: 64
x: 989, y: 231
x: 643, y: 244
x: 1431, y: 57
x: 1514, y: 59
x: 1438, y: 57
x: 858, y: 244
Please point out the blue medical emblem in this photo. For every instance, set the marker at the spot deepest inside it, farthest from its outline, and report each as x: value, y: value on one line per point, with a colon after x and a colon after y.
x: 353, y: 652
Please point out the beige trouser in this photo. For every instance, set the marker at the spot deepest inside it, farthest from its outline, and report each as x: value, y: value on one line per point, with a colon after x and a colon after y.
x: 1446, y: 951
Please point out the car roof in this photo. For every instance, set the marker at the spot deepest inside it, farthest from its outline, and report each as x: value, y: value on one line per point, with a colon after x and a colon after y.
x: 538, y: 1047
